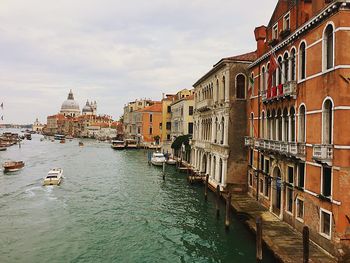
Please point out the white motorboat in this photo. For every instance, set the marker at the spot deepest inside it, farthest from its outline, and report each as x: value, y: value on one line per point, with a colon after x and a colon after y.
x: 118, y: 145
x: 158, y: 159
x: 54, y: 177
x: 171, y: 161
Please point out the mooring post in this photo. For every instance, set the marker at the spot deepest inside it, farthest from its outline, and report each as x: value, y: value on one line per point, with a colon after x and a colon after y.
x: 163, y: 170
x: 306, y: 243
x: 217, y: 200
x: 206, y: 187
x: 228, y: 211
x: 259, y: 255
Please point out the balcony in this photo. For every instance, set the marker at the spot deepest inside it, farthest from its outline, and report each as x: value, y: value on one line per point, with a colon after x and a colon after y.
x: 280, y: 92
x: 204, y: 105
x: 323, y: 153
x: 281, y: 147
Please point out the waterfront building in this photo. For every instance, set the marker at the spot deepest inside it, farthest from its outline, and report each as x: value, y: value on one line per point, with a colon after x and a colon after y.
x: 129, y: 118
x: 70, y: 107
x: 298, y: 120
x: 37, y: 126
x: 220, y: 123
x: 90, y: 108
x: 165, y: 125
x: 148, y: 122
x: 55, y: 124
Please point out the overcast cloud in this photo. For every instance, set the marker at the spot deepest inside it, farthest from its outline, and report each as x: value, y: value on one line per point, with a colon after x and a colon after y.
x: 114, y: 51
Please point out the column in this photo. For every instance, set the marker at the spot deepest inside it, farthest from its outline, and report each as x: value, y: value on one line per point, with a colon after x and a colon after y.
x: 226, y: 130
x: 224, y: 171
x: 283, y: 129
x: 289, y: 128
x: 217, y: 169
x: 208, y: 164
x: 212, y: 167
x: 213, y: 131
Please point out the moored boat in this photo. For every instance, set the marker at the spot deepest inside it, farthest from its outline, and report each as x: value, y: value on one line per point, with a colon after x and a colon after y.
x: 118, y: 145
x: 62, y: 141
x: 59, y: 137
x: 54, y: 177
x: 131, y: 144
x: 13, y: 166
x: 81, y: 144
x: 69, y: 137
x: 158, y: 159
x: 171, y: 161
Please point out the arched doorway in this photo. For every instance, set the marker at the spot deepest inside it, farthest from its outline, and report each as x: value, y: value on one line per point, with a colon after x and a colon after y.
x: 204, y: 164
x: 277, y: 192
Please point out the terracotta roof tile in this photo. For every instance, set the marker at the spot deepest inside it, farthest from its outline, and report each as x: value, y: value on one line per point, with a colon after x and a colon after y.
x: 154, y: 108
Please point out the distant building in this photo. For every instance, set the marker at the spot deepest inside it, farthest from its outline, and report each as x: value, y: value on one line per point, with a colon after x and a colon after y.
x: 165, y: 125
x: 148, y: 123
x: 37, y: 126
x: 70, y: 107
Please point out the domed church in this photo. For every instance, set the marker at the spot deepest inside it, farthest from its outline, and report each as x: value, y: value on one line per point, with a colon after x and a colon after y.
x: 70, y: 107
x: 90, y: 108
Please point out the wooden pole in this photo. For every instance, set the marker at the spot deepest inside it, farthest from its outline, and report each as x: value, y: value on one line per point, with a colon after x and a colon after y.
x: 228, y: 211
x: 306, y: 243
x: 163, y: 170
x: 217, y: 200
x: 259, y: 239
x: 206, y: 187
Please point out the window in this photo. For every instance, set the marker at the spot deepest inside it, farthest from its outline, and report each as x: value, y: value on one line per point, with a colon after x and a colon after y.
x: 275, y: 31
x: 300, y: 209
x: 168, y: 137
x: 328, y: 47
x: 285, y: 68
x: 168, y: 125
x: 289, y: 199
x: 261, y: 186
x: 138, y: 130
x: 150, y: 131
x: 301, y: 175
x: 223, y: 88
x: 190, y: 110
x: 290, y: 175
x: 262, y: 162
x: 150, y: 118
x: 279, y: 76
x: 263, y: 79
x: 190, y: 128
x: 169, y: 109
x: 327, y: 122
x: 325, y: 224
x: 250, y: 179
x: 251, y: 157
x: 286, y: 22
x: 326, y: 181
x: 267, y: 166
x: 292, y: 120
x: 266, y: 186
x: 302, y: 120
x: 240, y: 86
x: 302, y: 61
x: 292, y: 65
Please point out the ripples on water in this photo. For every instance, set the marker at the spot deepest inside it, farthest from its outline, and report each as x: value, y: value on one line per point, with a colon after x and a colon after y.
x: 111, y: 207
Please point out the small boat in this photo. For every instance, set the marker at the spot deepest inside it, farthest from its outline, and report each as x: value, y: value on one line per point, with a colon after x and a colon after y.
x: 28, y: 136
x: 171, y: 161
x: 63, y: 141
x: 59, y: 137
x: 81, y: 144
x: 54, y: 177
x: 69, y: 137
x: 118, y: 145
x: 158, y: 159
x: 13, y: 166
x: 3, y: 147
x: 131, y: 144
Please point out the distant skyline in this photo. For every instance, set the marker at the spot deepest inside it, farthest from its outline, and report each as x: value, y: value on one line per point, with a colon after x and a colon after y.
x: 114, y: 51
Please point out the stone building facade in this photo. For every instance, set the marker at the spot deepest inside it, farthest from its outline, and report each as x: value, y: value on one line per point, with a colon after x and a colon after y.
x: 220, y: 123
x: 298, y: 120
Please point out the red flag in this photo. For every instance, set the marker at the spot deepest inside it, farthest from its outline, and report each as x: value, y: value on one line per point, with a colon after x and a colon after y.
x: 272, y: 68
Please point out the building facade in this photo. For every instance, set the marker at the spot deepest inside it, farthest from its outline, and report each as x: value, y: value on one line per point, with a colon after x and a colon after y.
x: 298, y: 120
x: 166, y: 118
x: 220, y: 123
x: 70, y: 107
x: 148, y: 122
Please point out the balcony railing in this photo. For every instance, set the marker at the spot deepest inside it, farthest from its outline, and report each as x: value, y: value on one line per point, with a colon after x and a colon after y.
x: 286, y: 148
x: 281, y: 91
x: 323, y: 152
x: 204, y: 105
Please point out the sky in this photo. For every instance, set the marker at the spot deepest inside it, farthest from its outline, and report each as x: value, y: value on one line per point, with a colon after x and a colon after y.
x: 114, y: 51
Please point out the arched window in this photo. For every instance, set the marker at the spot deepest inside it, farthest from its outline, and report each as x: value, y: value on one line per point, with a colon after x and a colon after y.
x: 302, y: 61
x: 292, y: 124
x: 327, y: 122
x: 252, y: 124
x: 217, y: 90
x: 279, y: 127
x: 220, y: 171
x: 240, y: 86
x: 216, y: 130
x: 285, y: 68
x: 222, y: 130
x: 292, y: 65
x: 262, y: 125
x: 279, y: 76
x: 252, y: 83
x: 285, y: 124
x: 273, y: 125
x: 263, y: 79
x: 328, y: 47
x: 301, y: 118
x: 223, y: 88
x: 268, y: 125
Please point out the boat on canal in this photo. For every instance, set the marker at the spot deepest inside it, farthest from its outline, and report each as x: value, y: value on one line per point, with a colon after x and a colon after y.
x: 13, y: 166
x: 131, y: 144
x: 158, y: 159
x: 3, y: 147
x: 171, y: 161
x: 63, y: 141
x: 118, y: 145
x: 81, y: 143
x: 54, y: 177
x: 59, y: 137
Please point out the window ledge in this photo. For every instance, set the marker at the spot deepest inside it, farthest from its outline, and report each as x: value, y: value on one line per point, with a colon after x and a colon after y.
x: 289, y: 213
x: 299, y: 219
x: 325, y: 235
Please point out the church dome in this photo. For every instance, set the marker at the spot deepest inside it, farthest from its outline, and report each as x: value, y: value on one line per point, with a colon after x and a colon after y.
x: 70, y: 103
x: 87, y: 108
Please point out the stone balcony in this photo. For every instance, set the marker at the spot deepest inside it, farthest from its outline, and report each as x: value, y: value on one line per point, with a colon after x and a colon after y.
x: 323, y: 153
x: 204, y: 105
x: 280, y: 92
x: 281, y: 147
x: 248, y: 141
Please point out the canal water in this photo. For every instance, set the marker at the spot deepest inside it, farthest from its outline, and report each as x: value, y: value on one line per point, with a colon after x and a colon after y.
x: 111, y: 207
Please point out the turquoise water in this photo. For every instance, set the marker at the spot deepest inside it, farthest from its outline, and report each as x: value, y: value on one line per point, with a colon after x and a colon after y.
x: 111, y: 207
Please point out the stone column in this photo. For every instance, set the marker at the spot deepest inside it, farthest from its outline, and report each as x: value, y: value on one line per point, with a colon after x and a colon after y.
x: 289, y: 128
x: 212, y: 167
x: 217, y: 169
x: 207, y: 169
x: 226, y: 122
x: 224, y: 171
x: 283, y: 129
x: 213, y: 129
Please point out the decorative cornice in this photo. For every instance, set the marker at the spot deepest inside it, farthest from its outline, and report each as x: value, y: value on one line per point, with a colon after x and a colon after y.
x: 325, y: 13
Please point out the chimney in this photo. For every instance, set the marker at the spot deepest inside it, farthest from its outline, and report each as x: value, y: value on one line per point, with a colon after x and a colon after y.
x: 260, y: 36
